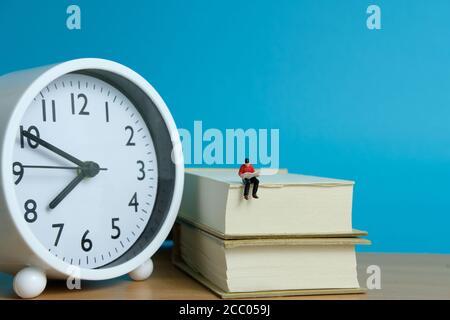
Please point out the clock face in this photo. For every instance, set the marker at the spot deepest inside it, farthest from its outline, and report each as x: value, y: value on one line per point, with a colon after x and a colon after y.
x: 85, y: 171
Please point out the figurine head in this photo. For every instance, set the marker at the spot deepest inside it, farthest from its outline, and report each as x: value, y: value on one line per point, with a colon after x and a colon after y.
x: 246, y: 161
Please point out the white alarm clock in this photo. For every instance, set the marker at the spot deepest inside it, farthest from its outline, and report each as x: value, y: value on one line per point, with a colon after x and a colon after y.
x: 91, y: 173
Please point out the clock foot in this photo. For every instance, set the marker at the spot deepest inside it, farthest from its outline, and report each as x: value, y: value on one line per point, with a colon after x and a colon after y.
x: 29, y: 282
x: 143, y: 271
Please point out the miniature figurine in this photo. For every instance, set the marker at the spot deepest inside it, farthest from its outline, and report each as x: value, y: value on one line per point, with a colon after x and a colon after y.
x: 248, y: 175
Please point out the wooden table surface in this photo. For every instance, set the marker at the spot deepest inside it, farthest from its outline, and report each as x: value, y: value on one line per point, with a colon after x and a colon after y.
x: 403, y: 276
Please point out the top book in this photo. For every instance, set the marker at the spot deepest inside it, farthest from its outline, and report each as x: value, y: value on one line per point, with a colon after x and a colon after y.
x: 288, y: 205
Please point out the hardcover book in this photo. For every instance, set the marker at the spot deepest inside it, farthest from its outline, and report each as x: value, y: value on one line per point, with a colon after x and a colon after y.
x: 267, y: 267
x: 288, y: 205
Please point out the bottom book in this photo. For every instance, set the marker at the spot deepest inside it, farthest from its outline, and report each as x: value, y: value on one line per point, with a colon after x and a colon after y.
x: 249, y: 268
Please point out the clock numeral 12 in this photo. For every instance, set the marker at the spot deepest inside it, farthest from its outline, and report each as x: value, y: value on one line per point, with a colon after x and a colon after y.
x: 82, y: 112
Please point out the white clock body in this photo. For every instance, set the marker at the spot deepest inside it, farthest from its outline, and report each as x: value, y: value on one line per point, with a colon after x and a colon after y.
x: 111, y: 223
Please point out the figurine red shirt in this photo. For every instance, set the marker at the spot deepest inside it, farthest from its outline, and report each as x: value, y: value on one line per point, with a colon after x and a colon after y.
x: 244, y: 169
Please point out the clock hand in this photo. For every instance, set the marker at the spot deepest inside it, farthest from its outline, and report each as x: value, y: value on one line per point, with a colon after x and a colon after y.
x: 48, y: 167
x: 89, y: 169
x: 56, y: 167
x: 52, y: 148
x: 66, y: 190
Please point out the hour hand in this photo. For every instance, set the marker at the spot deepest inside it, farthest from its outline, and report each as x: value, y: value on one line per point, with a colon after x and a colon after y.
x: 89, y: 170
x: 66, y: 190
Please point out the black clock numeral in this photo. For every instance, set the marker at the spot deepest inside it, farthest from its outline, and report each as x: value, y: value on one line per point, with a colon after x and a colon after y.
x: 107, y: 111
x: 82, y: 96
x: 133, y: 202
x: 44, y: 111
x: 32, y: 144
x: 141, y: 170
x: 130, y: 139
x: 60, y: 227
x: 30, y: 211
x: 72, y: 102
x: 17, y: 169
x: 116, y: 228
x: 86, y: 244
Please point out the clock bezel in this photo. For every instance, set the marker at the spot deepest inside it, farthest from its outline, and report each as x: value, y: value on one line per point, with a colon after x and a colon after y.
x: 108, y: 71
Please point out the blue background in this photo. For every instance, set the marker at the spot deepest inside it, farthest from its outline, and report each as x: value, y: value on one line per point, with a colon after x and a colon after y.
x: 373, y: 106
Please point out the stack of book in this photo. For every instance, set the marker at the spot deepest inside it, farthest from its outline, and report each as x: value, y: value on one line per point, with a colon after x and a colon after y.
x: 296, y: 239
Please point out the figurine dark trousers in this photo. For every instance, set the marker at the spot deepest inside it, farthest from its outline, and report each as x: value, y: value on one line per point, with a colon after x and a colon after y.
x: 247, y: 183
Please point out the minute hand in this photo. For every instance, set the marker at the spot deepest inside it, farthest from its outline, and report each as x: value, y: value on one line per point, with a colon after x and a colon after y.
x: 52, y: 148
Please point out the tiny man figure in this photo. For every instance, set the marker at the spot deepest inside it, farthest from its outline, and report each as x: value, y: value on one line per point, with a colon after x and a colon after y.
x: 248, y: 175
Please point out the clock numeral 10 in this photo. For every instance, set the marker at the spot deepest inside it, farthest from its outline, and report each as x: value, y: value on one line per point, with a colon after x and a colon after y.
x: 31, y: 143
x: 30, y: 211
x: 86, y: 244
x: 44, y: 111
x: 134, y: 203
